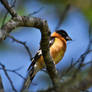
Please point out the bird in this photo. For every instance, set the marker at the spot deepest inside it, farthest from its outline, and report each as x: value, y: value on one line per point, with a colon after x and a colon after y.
x: 57, y: 44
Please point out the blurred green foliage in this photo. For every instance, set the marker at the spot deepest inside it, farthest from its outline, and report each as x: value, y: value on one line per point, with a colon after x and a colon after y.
x: 20, y: 9
x: 84, y: 5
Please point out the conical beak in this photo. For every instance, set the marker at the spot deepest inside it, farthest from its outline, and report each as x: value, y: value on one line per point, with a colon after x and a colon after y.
x: 68, y: 38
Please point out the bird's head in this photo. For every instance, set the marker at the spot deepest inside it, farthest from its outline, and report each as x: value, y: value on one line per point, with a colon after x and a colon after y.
x: 64, y: 35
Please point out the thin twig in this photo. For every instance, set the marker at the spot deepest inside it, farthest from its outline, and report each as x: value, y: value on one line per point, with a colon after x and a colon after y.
x: 83, y: 56
x: 14, y: 71
x: 63, y: 15
x: 12, y: 5
x: 13, y: 2
x: 9, y: 8
x: 80, y: 61
x: 90, y: 62
x: 4, y: 69
x: 22, y: 43
x: 35, y: 12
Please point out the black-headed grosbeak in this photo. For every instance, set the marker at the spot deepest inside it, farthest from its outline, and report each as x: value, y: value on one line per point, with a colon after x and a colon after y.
x: 57, y: 46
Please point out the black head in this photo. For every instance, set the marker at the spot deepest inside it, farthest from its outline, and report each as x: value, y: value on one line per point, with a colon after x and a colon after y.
x: 63, y: 34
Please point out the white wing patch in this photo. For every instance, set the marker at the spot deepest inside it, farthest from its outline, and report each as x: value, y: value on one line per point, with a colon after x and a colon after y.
x: 39, y: 52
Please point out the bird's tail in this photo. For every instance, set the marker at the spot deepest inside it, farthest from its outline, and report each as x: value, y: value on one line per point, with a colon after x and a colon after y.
x: 32, y: 72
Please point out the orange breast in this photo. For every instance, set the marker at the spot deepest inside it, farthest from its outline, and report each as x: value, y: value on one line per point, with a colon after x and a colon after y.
x: 57, y: 50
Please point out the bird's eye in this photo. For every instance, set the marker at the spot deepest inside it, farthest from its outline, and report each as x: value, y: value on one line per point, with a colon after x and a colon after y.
x: 64, y: 34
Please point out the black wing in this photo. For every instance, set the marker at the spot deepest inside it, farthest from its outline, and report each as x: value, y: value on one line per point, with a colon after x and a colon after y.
x: 35, y: 58
x: 39, y: 53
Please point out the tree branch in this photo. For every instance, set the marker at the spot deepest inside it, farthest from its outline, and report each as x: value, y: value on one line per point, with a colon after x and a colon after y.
x: 40, y: 24
x: 80, y: 83
x: 5, y: 16
x: 24, y: 21
x: 9, y: 8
